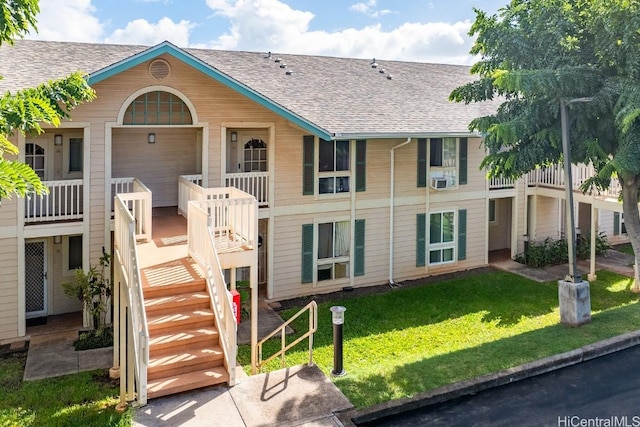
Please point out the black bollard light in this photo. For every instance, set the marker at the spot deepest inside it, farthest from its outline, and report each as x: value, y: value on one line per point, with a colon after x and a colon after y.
x: 337, y: 317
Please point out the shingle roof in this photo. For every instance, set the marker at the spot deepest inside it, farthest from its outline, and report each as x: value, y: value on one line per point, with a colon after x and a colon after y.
x: 341, y: 95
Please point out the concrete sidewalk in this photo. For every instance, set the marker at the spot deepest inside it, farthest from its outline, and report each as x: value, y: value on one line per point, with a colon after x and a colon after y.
x: 297, y: 396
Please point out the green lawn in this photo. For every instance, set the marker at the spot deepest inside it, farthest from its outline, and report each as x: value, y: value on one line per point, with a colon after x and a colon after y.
x: 625, y: 247
x: 84, y: 399
x: 407, y: 341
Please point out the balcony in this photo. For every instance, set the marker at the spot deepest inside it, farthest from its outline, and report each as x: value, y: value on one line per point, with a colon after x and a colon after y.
x: 62, y: 203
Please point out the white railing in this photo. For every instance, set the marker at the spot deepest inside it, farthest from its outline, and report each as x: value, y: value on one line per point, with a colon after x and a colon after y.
x: 553, y: 177
x: 62, y: 203
x: 497, y: 183
x: 312, y: 308
x: 233, y: 213
x: 137, y: 338
x: 202, y: 249
x: 138, y: 200
x: 254, y: 183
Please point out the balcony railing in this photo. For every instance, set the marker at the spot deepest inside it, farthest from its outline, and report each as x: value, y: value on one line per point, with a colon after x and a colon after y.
x: 498, y: 183
x: 62, y: 203
x: 553, y: 177
x: 254, y: 183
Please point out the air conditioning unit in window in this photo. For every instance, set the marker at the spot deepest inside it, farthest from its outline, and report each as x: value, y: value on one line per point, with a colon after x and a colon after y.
x: 438, y: 183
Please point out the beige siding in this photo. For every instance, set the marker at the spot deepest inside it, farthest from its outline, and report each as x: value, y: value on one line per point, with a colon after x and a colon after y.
x: 8, y: 288
x: 376, y: 247
x: 547, y: 218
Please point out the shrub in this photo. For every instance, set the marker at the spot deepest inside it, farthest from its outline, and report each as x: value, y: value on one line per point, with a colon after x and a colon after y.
x: 554, y: 252
x: 88, y: 340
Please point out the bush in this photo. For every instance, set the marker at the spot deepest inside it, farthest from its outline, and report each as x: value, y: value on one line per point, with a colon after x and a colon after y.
x: 554, y: 252
x: 97, y: 338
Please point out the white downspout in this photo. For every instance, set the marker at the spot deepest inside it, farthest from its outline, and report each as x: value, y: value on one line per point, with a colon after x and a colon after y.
x: 392, y: 209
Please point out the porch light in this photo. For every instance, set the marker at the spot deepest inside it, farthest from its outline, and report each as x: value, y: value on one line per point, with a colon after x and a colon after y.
x: 57, y: 239
x: 151, y: 138
x: 234, y: 136
x: 57, y: 140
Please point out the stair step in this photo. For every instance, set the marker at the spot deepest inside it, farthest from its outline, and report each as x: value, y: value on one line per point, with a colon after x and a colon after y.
x: 179, y: 363
x: 172, y: 302
x: 180, y: 320
x: 197, y: 379
x: 174, y: 289
x: 161, y: 341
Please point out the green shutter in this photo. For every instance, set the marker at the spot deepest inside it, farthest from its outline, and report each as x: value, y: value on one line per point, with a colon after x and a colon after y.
x: 308, y: 165
x: 307, y: 253
x: 422, y: 162
x: 358, y: 268
x: 616, y: 223
x: 421, y: 233
x: 463, y: 161
x: 462, y: 234
x: 361, y: 165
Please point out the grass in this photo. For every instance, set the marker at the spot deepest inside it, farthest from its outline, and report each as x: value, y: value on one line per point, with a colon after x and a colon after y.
x: 626, y: 248
x: 83, y: 399
x: 412, y: 340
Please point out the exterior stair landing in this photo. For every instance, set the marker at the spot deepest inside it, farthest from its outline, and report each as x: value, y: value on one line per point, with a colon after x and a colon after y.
x: 184, y: 348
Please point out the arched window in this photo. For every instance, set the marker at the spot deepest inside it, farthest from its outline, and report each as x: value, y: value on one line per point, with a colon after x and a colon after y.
x: 157, y: 108
x: 255, y: 155
x: 34, y: 156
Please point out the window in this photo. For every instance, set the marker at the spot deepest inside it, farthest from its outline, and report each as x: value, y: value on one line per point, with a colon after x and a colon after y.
x: 326, y: 250
x: 441, y: 237
x: 34, y: 156
x: 442, y: 160
x: 333, y: 167
x: 492, y: 211
x: 334, y: 244
x: 255, y: 156
x: 75, y: 154
x: 71, y: 254
x: 157, y: 108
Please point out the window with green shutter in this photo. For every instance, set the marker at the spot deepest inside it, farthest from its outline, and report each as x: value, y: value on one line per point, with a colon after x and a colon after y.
x: 361, y: 165
x: 308, y: 163
x: 462, y: 234
x: 463, y: 161
x: 358, y: 257
x: 421, y: 233
x: 422, y: 162
x: 307, y: 253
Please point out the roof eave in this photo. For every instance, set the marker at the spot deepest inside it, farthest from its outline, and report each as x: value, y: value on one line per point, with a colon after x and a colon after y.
x: 170, y: 49
x: 403, y: 135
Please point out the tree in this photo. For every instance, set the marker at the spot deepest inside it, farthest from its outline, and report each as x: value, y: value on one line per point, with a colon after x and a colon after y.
x: 27, y: 110
x: 534, y: 53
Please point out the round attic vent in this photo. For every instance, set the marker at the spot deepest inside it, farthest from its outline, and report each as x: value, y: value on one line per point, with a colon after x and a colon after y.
x: 159, y: 69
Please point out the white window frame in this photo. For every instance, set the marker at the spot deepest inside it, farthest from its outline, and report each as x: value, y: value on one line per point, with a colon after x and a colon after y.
x: 66, y: 156
x: 334, y: 174
x: 442, y: 246
x: 331, y: 262
x: 449, y: 172
x: 493, y: 221
x: 65, y: 256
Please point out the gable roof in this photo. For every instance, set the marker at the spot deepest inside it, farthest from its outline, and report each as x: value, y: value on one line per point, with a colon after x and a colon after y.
x: 328, y: 96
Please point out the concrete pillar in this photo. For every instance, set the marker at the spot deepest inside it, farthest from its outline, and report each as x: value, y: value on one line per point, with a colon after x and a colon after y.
x: 575, y: 302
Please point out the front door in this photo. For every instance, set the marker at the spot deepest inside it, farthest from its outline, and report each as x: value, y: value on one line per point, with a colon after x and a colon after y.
x: 35, y: 257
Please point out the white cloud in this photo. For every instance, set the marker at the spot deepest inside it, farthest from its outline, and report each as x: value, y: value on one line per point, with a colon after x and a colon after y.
x: 369, y: 9
x: 270, y: 25
x: 141, y: 31
x: 71, y: 20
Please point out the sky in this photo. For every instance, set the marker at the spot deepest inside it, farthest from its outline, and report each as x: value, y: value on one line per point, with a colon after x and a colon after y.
x: 408, y: 30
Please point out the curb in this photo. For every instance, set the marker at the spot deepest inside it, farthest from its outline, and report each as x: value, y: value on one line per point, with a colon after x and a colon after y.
x: 484, y: 382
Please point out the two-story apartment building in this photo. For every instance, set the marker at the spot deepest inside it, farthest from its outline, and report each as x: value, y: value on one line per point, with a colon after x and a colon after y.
x: 363, y: 171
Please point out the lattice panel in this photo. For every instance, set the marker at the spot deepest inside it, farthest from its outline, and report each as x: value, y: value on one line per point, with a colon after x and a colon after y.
x: 34, y: 277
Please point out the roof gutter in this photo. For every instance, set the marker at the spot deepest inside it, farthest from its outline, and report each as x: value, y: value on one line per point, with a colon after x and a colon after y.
x: 392, y: 208
x: 403, y: 135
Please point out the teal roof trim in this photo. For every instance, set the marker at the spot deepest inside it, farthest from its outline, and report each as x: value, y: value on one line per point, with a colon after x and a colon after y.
x: 170, y: 49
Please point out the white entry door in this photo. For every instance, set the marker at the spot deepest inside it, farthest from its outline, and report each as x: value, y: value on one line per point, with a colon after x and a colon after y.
x: 35, y: 257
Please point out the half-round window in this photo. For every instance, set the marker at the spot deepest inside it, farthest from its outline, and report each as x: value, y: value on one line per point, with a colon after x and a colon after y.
x: 157, y: 108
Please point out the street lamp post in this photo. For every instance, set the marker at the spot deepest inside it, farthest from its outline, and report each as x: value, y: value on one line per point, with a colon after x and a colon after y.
x: 573, y: 292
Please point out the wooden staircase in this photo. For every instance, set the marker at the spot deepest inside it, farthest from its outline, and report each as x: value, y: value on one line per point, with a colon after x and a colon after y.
x: 184, y: 350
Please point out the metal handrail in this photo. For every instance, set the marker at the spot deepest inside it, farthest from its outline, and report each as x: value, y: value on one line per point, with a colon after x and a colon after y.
x: 312, y: 307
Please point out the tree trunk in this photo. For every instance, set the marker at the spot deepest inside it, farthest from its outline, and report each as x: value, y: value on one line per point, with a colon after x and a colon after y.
x: 630, y: 186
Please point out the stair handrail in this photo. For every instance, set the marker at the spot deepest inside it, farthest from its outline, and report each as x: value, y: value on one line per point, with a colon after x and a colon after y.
x: 202, y: 249
x: 312, y: 308
x: 127, y: 259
